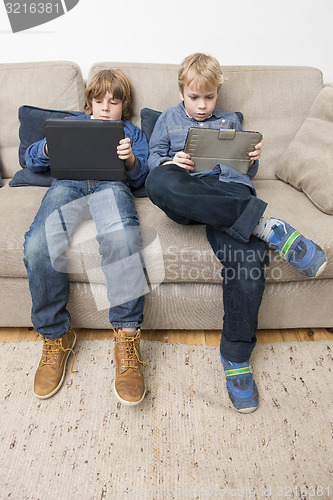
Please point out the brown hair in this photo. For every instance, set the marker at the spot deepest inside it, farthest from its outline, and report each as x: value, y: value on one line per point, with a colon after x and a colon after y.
x: 115, y: 82
x: 202, y: 68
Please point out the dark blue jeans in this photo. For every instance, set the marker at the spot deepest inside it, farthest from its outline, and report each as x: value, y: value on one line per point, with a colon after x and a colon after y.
x: 230, y: 211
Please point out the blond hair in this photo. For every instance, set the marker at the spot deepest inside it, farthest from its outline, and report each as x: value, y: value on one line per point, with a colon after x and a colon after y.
x: 112, y: 81
x: 201, y: 68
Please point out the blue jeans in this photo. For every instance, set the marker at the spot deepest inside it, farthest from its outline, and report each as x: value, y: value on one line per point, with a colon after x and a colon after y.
x: 65, y: 205
x: 230, y: 211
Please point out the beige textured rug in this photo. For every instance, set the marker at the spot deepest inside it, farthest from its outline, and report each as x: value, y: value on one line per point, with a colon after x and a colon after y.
x: 184, y: 441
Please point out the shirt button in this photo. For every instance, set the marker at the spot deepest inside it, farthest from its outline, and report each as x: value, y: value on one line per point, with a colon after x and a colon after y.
x: 223, y: 121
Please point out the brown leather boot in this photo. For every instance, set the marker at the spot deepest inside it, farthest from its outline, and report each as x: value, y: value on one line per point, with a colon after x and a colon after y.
x: 129, y: 386
x: 51, y: 370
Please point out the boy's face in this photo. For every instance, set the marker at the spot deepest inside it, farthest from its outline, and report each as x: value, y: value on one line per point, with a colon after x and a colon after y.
x: 107, y: 108
x: 199, y: 103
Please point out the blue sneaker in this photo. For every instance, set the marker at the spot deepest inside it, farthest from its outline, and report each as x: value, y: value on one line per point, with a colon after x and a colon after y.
x: 304, y: 255
x: 242, y: 389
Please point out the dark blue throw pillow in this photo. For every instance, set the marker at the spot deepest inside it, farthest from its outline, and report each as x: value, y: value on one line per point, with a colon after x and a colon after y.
x: 150, y: 116
x: 32, y: 120
x: 148, y: 119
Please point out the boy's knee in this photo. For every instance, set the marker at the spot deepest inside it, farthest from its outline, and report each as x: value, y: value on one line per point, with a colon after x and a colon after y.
x: 34, y: 246
x: 165, y: 180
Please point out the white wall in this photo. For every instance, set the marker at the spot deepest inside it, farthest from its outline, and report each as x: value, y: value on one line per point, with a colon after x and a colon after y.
x: 279, y: 32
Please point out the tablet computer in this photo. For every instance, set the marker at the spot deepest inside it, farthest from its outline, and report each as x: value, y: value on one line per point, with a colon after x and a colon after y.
x: 85, y: 149
x: 209, y: 147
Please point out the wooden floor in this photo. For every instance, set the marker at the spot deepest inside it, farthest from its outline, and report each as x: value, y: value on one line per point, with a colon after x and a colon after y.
x: 195, y: 337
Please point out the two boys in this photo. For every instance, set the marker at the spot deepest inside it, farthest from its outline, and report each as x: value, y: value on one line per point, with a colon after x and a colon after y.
x: 222, y: 199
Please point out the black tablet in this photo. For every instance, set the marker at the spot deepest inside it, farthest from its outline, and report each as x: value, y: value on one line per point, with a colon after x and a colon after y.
x: 85, y: 149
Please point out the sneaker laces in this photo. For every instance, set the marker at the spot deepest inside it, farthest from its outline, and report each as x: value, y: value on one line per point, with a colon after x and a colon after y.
x: 50, y: 348
x: 132, y: 352
x: 300, y: 250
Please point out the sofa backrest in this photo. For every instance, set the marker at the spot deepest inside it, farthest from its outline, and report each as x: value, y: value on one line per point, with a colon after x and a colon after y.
x: 51, y: 85
x: 274, y: 100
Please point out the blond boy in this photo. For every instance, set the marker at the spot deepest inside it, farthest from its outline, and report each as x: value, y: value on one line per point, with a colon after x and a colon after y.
x: 225, y: 201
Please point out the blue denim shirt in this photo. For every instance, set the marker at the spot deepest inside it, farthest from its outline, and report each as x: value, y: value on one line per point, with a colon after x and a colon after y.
x: 37, y: 160
x: 169, y: 137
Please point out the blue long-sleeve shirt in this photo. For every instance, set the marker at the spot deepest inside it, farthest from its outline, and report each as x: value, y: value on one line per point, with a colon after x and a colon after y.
x: 169, y: 137
x: 38, y: 161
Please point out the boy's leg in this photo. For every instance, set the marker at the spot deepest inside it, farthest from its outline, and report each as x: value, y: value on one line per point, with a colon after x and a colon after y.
x: 228, y: 206
x: 118, y: 233
x: 44, y: 257
x: 185, y: 199
x: 243, y: 287
x: 45, y: 244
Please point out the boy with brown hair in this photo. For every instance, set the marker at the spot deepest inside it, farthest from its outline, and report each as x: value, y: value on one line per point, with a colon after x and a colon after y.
x: 225, y: 201
x: 110, y: 204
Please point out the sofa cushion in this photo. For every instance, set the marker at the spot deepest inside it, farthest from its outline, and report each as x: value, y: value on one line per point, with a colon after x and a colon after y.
x: 50, y: 85
x: 32, y: 129
x: 148, y: 119
x: 25, y: 177
x: 187, y: 255
x: 307, y: 163
x: 32, y: 125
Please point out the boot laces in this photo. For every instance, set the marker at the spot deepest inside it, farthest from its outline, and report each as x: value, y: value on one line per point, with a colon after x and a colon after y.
x: 129, y: 344
x: 51, y: 349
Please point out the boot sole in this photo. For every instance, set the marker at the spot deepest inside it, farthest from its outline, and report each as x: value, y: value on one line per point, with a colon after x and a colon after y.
x: 123, y: 401
x: 62, y: 378
x: 320, y: 270
x: 247, y: 410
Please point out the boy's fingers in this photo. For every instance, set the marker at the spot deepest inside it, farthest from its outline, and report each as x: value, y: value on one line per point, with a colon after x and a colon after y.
x: 188, y: 161
x: 183, y: 158
x: 182, y: 155
x: 125, y: 140
x: 124, y: 147
x: 257, y: 152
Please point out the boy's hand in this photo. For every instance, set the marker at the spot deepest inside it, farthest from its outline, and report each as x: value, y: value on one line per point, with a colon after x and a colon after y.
x: 182, y: 160
x: 124, y: 151
x: 46, y: 150
x: 255, y: 155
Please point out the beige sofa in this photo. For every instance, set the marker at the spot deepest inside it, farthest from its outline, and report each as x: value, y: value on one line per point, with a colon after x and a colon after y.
x: 185, y: 282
